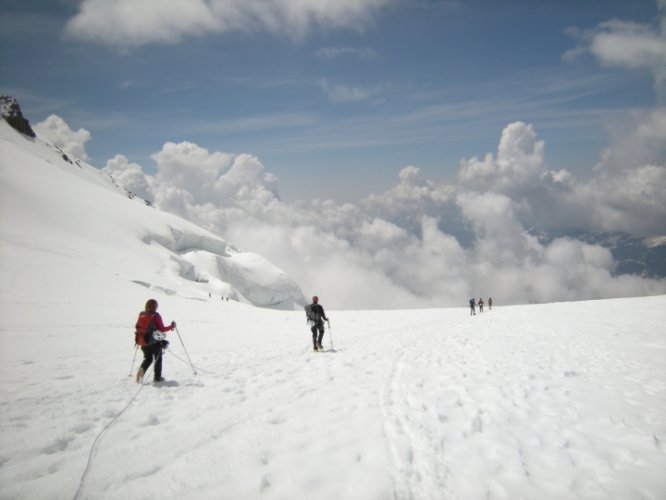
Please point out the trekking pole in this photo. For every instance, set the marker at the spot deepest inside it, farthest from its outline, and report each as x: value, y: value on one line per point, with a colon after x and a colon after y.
x: 188, y: 356
x: 330, y: 335
x: 136, y: 348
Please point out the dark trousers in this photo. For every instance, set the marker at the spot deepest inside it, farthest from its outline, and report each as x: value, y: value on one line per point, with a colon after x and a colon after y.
x: 149, y: 352
x: 320, y: 328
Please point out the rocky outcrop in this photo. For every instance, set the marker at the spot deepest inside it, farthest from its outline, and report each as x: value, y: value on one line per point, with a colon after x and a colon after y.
x: 11, y: 112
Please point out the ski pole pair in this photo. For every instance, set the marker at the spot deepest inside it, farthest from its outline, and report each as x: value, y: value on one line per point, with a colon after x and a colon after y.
x: 188, y: 356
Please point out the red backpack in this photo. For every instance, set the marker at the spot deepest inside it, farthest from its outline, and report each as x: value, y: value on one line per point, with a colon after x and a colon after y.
x: 145, y: 326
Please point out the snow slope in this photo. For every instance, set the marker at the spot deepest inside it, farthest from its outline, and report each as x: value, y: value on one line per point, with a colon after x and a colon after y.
x: 52, y: 204
x: 547, y: 401
x: 552, y: 401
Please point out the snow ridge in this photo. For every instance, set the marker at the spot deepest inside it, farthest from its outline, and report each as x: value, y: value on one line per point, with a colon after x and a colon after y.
x: 82, y: 203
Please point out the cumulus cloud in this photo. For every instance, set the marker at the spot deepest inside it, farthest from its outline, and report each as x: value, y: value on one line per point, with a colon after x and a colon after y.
x: 632, y: 201
x: 131, y: 23
x: 638, y: 139
x: 190, y: 167
x: 211, y: 187
x: 422, y: 243
x: 130, y: 176
x: 55, y: 130
x: 542, y: 197
x: 626, y: 192
x: 519, y: 163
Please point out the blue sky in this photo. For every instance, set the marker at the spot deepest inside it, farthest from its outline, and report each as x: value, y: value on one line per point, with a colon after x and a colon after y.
x: 334, y: 104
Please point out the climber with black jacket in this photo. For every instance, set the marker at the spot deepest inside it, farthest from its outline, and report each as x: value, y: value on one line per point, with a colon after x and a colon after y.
x: 316, y: 317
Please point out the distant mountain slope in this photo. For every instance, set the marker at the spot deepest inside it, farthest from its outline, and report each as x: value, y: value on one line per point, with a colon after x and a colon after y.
x: 60, y: 206
x: 645, y: 257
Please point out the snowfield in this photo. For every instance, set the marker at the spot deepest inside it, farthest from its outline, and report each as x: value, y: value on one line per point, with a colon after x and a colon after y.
x: 551, y: 401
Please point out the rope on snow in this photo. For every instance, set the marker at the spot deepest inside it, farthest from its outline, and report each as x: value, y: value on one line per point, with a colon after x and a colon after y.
x: 98, y: 437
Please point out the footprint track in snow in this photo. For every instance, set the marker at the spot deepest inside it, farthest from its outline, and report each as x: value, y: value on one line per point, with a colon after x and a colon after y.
x: 411, y: 427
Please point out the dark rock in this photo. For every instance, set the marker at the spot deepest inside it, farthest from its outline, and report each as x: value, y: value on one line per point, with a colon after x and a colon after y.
x: 11, y: 112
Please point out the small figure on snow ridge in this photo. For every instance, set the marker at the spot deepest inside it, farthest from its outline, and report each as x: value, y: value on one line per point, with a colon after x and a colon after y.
x: 316, y: 316
x: 150, y: 337
x: 472, y: 306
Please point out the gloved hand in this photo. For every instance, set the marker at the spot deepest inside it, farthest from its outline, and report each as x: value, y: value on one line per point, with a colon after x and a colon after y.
x: 173, y: 325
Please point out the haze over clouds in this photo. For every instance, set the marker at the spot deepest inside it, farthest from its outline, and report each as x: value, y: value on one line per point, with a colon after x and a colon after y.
x: 421, y: 243
x: 470, y: 235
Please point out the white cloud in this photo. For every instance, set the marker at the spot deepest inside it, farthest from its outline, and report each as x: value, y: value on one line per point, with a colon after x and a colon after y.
x: 365, y: 53
x: 190, y: 167
x: 342, y: 93
x: 130, y: 176
x: 520, y: 162
x: 55, y: 130
x: 131, y: 23
x: 212, y: 189
x: 632, y: 201
x: 637, y: 140
x: 632, y: 45
x: 402, y: 249
x: 421, y: 243
x: 494, y: 219
x: 127, y: 23
x: 628, y: 188
x: 625, y: 44
x: 519, y: 171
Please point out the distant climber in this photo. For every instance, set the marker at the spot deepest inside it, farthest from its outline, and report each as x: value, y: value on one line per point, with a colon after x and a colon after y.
x: 316, y: 316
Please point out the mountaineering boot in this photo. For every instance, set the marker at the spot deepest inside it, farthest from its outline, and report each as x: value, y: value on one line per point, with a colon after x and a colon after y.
x: 321, y: 348
x: 157, y: 380
x: 315, y: 347
x: 139, y: 376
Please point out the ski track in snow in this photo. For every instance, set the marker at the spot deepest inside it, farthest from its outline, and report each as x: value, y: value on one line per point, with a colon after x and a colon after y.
x: 539, y: 402
x: 418, y: 469
x: 475, y: 404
